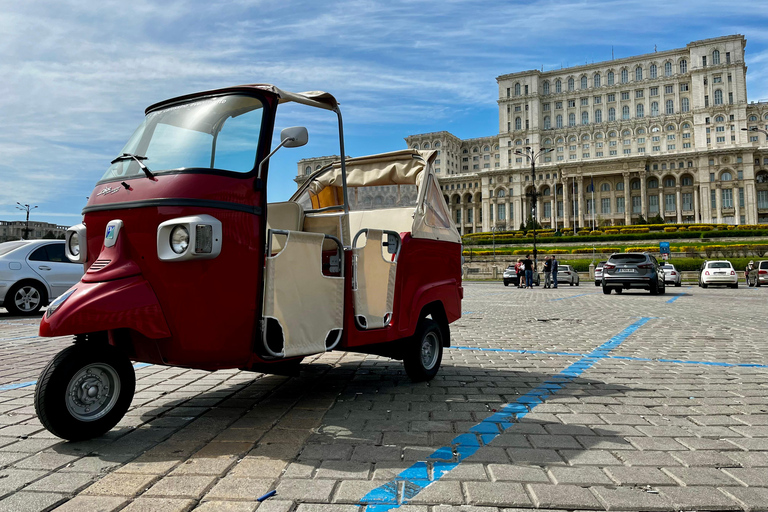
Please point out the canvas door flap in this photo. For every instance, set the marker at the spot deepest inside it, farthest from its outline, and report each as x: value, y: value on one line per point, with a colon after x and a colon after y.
x: 307, y: 304
x: 375, y: 279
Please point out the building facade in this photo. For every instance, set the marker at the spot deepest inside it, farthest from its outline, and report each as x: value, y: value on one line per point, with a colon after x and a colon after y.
x: 14, y: 230
x: 656, y: 134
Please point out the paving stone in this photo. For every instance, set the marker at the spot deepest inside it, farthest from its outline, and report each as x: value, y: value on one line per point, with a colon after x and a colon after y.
x: 239, y: 488
x: 467, y: 471
x: 623, y: 498
x: 583, y: 476
x: 121, y: 484
x: 227, y: 506
x: 353, y: 491
x: 159, y: 505
x: 753, y: 499
x: 12, y: 479
x: 700, y: 476
x: 504, y: 494
x: 250, y: 467
x: 656, y: 459
x: 555, y: 442
x: 63, y: 482
x: 656, y: 444
x: 187, y: 486
x: 83, y: 503
x: 445, y: 492
x: 539, y: 457
x: 698, y: 498
x: 506, y: 472
x: 751, y: 477
x: 196, y: 466
x: 589, y: 457
x: 638, y: 476
x: 562, y: 496
x: 707, y: 458
x: 305, y: 490
x: 317, y: 507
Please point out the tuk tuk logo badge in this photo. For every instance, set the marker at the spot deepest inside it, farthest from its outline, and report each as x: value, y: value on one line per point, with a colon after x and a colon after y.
x: 108, y: 190
x: 110, y: 232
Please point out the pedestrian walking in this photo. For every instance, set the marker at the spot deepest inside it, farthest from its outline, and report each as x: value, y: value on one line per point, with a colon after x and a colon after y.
x: 520, y: 270
x: 528, y: 262
x: 554, y: 264
x: 547, y: 272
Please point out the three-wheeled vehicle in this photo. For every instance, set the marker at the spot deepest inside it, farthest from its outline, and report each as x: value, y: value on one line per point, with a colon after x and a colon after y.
x: 188, y: 264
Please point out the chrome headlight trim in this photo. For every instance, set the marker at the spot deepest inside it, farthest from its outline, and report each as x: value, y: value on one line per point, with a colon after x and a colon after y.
x: 209, y: 248
x: 79, y: 233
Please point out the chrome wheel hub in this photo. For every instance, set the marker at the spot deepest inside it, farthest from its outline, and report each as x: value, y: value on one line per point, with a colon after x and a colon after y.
x: 27, y: 298
x: 429, y: 350
x: 92, y: 392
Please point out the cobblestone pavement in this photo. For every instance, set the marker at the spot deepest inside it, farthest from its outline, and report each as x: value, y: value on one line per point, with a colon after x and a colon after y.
x: 553, y: 399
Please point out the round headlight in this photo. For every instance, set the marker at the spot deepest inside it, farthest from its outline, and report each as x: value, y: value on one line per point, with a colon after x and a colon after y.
x: 74, y: 244
x: 179, y: 239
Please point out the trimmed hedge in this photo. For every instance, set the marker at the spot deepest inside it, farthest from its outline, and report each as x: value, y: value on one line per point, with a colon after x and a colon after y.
x: 734, y: 233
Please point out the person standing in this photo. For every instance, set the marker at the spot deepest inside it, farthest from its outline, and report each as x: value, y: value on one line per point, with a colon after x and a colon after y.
x: 528, y: 264
x: 554, y: 264
x: 520, y: 270
x: 547, y: 272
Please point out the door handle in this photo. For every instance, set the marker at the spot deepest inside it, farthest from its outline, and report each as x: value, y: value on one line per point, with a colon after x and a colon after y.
x: 44, y: 267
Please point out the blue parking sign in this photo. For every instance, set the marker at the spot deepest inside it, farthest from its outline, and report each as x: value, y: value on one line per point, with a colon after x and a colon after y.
x: 664, y: 247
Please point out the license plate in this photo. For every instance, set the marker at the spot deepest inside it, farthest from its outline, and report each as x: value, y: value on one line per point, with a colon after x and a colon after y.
x: 626, y: 270
x: 719, y: 273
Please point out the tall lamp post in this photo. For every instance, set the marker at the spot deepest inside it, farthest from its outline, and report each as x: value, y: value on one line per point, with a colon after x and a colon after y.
x: 25, y: 208
x: 532, y: 155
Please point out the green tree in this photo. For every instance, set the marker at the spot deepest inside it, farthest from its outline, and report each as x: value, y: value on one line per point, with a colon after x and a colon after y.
x: 640, y: 220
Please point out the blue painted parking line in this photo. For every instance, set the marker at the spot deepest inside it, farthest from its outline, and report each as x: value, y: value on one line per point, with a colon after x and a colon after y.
x: 626, y: 358
x: 19, y: 385
x: 410, y: 482
x: 673, y: 299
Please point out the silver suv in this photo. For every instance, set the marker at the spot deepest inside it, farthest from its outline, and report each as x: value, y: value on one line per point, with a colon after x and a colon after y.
x: 633, y: 270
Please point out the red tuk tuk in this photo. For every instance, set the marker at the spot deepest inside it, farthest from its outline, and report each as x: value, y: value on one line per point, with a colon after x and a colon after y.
x: 188, y: 264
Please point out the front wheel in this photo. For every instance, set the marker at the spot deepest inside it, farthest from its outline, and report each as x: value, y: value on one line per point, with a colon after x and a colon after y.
x: 424, y: 352
x: 84, y: 391
x: 25, y: 299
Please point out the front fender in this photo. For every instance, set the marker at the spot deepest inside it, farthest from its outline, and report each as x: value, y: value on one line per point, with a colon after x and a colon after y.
x: 124, y: 303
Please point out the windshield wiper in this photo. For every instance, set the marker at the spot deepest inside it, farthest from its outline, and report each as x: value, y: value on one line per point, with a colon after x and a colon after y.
x: 138, y: 159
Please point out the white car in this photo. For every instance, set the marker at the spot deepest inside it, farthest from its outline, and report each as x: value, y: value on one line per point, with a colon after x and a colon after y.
x: 718, y: 272
x: 566, y: 274
x: 599, y: 273
x: 33, y: 273
x: 672, y: 275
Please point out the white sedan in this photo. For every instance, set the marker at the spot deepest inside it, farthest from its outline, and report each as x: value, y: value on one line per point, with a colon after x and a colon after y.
x: 672, y: 275
x: 718, y: 272
x: 33, y: 273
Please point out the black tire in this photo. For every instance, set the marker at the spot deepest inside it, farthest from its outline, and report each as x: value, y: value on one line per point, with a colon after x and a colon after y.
x: 107, y: 370
x: 654, y: 288
x: 31, y: 297
x: 735, y: 285
x: 422, y: 363
x: 506, y: 283
x: 678, y: 285
x: 577, y: 283
x: 597, y: 283
x: 663, y: 289
x: 606, y: 290
x: 619, y: 290
x: 704, y: 285
x: 571, y: 283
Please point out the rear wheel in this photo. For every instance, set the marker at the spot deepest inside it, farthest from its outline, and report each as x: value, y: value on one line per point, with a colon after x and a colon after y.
x: 678, y: 284
x: 424, y: 352
x: 704, y: 285
x: 84, y: 391
x: 736, y: 285
x: 619, y: 290
x: 25, y: 299
x: 654, y: 288
x: 606, y: 290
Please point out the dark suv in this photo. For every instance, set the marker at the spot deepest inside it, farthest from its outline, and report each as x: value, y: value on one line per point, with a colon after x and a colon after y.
x: 633, y: 270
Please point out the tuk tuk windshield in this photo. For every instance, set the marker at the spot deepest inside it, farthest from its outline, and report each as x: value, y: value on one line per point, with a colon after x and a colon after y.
x: 219, y: 133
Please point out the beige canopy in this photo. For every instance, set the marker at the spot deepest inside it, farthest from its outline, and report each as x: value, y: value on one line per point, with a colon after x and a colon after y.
x: 431, y: 217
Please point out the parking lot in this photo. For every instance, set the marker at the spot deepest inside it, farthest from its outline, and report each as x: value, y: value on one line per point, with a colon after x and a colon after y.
x: 562, y: 399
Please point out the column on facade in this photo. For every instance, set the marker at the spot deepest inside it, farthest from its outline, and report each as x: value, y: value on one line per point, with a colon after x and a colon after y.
x: 566, y: 204
x: 486, y: 206
x: 719, y: 203
x: 750, y: 198
x: 518, y: 212
x: 705, y: 204
x: 736, y: 206
x: 508, y: 213
x: 643, y: 196
x: 474, y: 217
x: 679, y: 199
x: 580, y: 195
x: 613, y: 203
x: 627, y: 201
x: 661, y: 203
x: 696, y: 208
x: 553, y: 208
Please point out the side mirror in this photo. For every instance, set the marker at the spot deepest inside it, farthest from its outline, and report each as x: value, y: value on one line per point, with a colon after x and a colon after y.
x: 294, y: 137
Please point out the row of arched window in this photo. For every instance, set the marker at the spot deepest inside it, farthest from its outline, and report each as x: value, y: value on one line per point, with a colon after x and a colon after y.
x: 653, y: 72
x: 685, y: 106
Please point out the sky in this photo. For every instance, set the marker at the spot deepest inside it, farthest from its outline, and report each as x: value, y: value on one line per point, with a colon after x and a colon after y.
x: 78, y: 74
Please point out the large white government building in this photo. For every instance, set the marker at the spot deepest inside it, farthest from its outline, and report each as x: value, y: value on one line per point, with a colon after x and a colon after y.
x: 655, y: 134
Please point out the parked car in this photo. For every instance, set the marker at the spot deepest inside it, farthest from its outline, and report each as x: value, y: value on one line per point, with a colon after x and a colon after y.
x: 33, y: 273
x: 759, y: 274
x: 633, y: 270
x: 599, y: 273
x: 566, y: 274
x: 510, y: 277
x: 672, y: 275
x: 718, y: 272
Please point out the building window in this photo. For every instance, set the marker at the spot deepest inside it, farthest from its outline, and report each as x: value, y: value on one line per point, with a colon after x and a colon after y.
x: 741, y: 198
x: 584, y: 82
x: 517, y: 89
x: 558, y: 86
x: 654, y: 108
x: 713, y: 199
x: 501, y: 212
x: 624, y: 96
x: 547, y: 123
x: 619, y: 205
x: 571, y: 103
x: 683, y: 66
x: 558, y: 105
x: 625, y: 112
x: 718, y: 97
x: 598, y: 116
x: 706, y: 100
x: 727, y: 198
x: 762, y: 199
x: 654, y: 71
x: 545, y: 88
x: 685, y: 105
x: 584, y: 102
x: 730, y: 98
x: 547, y: 210
x: 639, y: 93
x: 559, y: 121
x: 640, y: 110
x: 596, y: 80
x: 687, y: 201
x: 638, y: 73
x: 518, y: 123
x: 670, y: 107
x: 570, y: 84
x: 611, y: 114
x: 610, y: 78
x: 624, y: 76
x: 584, y: 118
x: 715, y: 57
x: 669, y: 203
x: 668, y: 69
x: 559, y: 209
x: 683, y: 87
x: 654, y: 91
x: 605, y: 205
x: 571, y: 119
x: 653, y: 204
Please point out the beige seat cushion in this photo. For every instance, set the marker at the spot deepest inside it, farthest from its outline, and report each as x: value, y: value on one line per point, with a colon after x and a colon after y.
x: 288, y: 216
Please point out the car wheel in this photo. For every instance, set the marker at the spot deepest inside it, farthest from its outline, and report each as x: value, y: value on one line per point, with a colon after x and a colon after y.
x: 606, y: 290
x: 577, y: 283
x: 736, y: 285
x: 84, y: 391
x: 25, y: 299
x: 506, y: 283
x: 704, y: 285
x: 654, y: 288
x: 597, y: 283
x: 571, y: 283
x: 678, y: 284
x: 619, y: 290
x: 424, y: 351
x: 663, y: 289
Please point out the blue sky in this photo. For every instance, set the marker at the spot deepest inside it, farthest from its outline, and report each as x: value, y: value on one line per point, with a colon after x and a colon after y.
x: 77, y: 74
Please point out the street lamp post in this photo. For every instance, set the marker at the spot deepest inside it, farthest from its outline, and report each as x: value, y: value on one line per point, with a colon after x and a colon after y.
x: 25, y: 208
x: 532, y: 155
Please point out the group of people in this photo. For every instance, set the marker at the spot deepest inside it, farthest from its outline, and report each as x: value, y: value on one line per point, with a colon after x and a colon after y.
x: 526, y: 267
